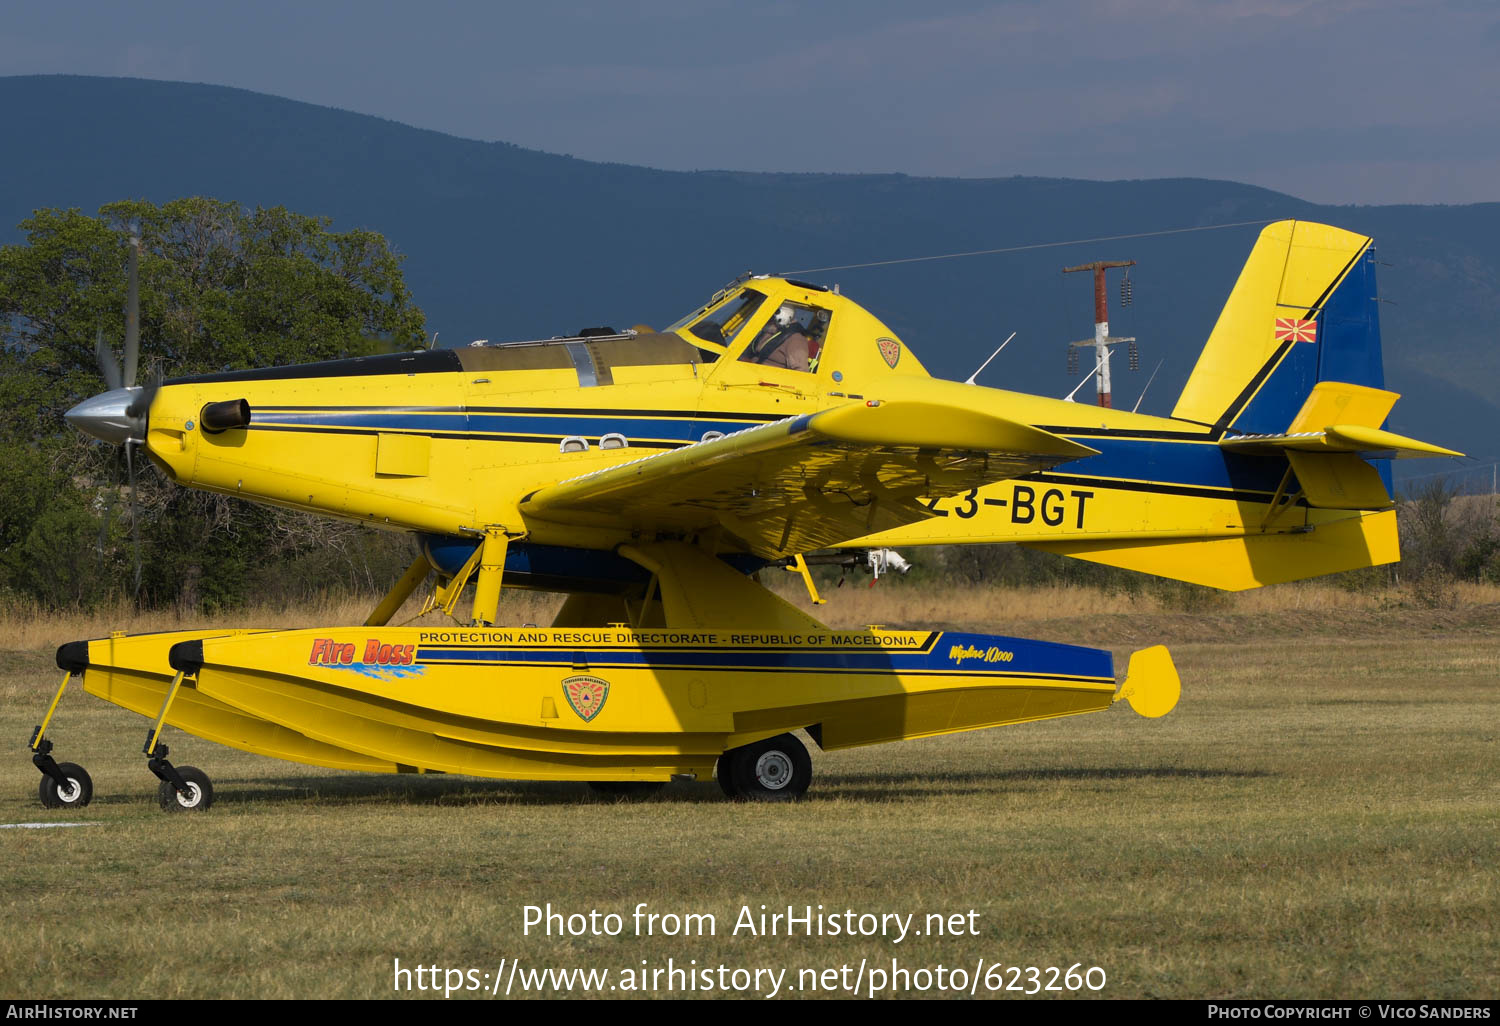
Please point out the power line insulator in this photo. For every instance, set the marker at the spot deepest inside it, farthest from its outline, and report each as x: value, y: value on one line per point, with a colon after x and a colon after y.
x: 1135, y: 357
x: 1127, y: 290
x: 1072, y: 360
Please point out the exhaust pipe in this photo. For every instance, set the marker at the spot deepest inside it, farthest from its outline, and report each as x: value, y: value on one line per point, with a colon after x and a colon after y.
x: 225, y: 416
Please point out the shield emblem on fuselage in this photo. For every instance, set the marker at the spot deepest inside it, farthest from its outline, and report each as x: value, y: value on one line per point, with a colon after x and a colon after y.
x: 890, y: 351
x: 585, y: 694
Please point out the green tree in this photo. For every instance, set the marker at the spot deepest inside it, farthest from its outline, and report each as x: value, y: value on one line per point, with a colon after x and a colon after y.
x: 221, y: 288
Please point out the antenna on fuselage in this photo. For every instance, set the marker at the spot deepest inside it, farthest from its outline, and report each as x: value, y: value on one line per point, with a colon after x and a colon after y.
x: 970, y: 379
x: 1136, y: 408
x: 1086, y: 379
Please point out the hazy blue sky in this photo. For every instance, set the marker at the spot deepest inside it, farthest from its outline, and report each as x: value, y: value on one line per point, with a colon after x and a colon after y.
x: 1337, y: 101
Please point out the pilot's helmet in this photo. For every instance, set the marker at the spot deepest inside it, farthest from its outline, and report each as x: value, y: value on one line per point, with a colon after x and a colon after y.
x: 786, y: 316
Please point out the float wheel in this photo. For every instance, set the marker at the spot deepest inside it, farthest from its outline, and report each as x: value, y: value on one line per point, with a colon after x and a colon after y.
x: 78, y: 791
x: 199, y: 796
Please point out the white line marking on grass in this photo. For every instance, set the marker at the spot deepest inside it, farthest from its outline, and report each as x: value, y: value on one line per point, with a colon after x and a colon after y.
x: 42, y: 826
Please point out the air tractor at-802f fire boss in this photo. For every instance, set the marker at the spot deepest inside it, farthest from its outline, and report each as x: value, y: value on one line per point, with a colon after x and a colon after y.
x: 650, y: 475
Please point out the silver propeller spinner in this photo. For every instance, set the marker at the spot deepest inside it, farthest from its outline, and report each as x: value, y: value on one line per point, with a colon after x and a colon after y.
x: 118, y: 416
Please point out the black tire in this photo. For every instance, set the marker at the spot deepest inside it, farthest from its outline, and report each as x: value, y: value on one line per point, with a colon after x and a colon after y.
x: 626, y: 788
x: 725, y: 773
x: 777, y: 769
x: 78, y: 793
x: 200, y: 792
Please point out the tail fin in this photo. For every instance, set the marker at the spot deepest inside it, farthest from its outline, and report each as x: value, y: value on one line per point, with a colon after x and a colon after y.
x: 1290, y: 382
x: 1302, y: 311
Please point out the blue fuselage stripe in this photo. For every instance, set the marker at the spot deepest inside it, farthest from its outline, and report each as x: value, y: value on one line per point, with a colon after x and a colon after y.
x: 687, y: 429
x: 1193, y: 464
x: 1198, y: 464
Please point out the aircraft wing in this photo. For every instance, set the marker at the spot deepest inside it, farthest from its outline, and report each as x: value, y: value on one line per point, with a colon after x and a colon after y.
x: 812, y: 481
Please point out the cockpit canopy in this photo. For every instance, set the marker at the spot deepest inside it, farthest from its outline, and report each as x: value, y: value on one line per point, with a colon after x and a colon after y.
x: 721, y: 322
x: 785, y: 325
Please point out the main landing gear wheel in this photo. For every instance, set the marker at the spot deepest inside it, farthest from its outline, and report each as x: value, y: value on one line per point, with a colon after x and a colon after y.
x: 199, y: 795
x: 777, y: 769
x: 626, y: 788
x: 77, y: 792
x: 725, y: 774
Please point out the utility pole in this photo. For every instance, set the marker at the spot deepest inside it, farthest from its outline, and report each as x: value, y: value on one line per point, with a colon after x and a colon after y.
x: 1102, y: 339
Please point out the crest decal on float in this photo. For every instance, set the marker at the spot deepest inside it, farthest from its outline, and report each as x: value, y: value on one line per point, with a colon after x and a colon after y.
x: 585, y: 694
x: 890, y: 351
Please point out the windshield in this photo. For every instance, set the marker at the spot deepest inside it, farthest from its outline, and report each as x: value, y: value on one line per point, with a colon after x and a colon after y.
x: 721, y: 324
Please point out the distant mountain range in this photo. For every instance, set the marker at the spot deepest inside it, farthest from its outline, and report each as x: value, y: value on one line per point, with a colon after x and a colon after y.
x: 506, y: 243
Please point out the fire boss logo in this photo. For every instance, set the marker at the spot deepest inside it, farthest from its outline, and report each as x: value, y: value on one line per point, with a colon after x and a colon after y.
x: 586, y: 695
x: 327, y: 652
x: 890, y: 351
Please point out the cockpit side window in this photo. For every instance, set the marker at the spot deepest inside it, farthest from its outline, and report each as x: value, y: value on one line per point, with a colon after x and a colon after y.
x: 793, y: 338
x: 723, y: 323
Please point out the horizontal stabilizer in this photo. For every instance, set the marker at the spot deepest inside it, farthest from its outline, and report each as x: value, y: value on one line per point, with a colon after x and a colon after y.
x: 1340, y: 417
x: 1350, y: 438
x: 1354, y: 438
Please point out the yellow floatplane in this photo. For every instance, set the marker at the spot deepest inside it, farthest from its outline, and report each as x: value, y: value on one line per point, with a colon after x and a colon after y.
x: 652, y: 475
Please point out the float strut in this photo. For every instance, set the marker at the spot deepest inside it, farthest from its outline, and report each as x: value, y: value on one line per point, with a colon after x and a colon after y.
x: 491, y: 572
x: 446, y: 596
x: 415, y: 575
x: 799, y: 566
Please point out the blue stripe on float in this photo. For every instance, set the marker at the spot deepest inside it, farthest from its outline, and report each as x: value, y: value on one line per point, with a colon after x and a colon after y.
x: 968, y: 653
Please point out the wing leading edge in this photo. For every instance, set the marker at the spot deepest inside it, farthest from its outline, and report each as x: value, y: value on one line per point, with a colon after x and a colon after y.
x: 812, y: 481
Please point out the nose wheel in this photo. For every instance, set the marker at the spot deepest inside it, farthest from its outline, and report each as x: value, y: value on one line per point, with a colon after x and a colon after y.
x: 777, y: 769
x: 64, y: 785
x: 193, y: 795
x: 182, y: 788
x: 67, y: 785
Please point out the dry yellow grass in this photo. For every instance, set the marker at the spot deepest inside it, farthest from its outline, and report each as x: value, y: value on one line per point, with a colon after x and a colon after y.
x: 889, y: 603
x: 23, y: 628
x: 895, y: 603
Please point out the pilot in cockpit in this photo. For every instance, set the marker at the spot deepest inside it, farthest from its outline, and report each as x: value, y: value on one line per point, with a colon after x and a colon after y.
x: 793, y: 338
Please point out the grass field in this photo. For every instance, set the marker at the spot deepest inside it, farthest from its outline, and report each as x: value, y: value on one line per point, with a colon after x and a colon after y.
x: 1319, y: 817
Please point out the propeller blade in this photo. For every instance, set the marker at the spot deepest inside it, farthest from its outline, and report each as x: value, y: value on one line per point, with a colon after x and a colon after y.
x: 108, y: 369
x: 133, y: 312
x: 135, y: 523
x: 140, y: 406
